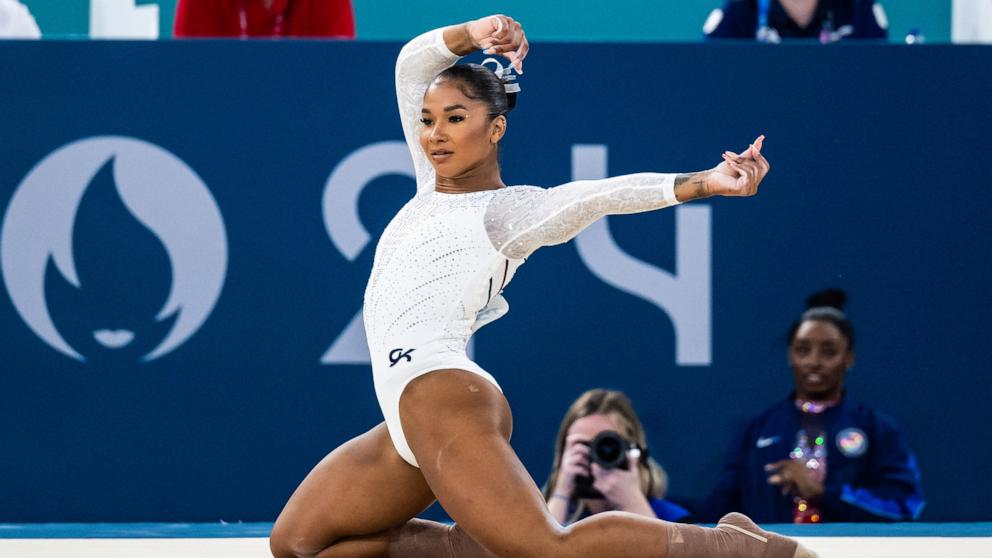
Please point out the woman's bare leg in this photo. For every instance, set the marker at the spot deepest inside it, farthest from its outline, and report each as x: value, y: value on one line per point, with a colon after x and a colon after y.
x: 458, y: 425
x: 358, y: 503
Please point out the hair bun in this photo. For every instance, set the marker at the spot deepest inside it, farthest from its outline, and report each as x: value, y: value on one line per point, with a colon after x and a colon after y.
x: 511, y: 98
x: 508, y: 79
x: 832, y: 297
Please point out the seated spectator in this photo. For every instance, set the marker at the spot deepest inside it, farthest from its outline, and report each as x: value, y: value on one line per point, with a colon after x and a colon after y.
x: 775, y: 20
x: 16, y: 22
x: 265, y: 18
x: 602, y: 463
x: 818, y: 455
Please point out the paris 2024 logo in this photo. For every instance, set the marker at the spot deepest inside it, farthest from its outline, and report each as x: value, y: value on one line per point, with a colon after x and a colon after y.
x: 113, y: 247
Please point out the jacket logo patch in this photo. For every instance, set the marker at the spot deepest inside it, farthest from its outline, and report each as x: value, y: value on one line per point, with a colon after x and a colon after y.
x: 852, y: 442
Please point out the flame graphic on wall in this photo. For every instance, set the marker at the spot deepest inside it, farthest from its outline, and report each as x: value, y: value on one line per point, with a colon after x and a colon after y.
x: 119, y: 243
x: 124, y: 276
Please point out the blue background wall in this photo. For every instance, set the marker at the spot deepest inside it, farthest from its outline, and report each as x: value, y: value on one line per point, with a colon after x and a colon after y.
x: 571, y: 20
x: 879, y: 185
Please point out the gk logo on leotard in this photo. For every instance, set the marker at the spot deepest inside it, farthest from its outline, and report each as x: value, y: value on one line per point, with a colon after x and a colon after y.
x: 113, y: 248
x: 396, y: 354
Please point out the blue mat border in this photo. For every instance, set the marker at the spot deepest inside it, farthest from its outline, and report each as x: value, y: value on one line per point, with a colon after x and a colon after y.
x: 251, y: 530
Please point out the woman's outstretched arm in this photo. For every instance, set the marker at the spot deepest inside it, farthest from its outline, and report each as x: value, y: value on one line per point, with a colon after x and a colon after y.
x: 529, y: 218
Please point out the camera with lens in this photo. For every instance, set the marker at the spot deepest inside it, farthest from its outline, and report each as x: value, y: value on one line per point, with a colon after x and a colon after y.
x: 608, y: 449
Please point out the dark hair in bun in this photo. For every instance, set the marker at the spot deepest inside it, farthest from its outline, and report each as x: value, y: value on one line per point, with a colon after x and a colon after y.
x: 829, y: 298
x: 827, y: 306
x: 479, y: 83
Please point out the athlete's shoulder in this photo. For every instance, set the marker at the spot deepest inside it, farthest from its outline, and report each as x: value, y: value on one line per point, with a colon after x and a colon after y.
x: 517, y: 194
x: 521, y: 189
x: 863, y: 413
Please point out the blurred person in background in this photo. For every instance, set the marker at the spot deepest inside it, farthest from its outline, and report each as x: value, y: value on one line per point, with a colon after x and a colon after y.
x: 16, y: 22
x: 774, y: 20
x: 818, y: 455
x: 602, y: 463
x: 265, y: 18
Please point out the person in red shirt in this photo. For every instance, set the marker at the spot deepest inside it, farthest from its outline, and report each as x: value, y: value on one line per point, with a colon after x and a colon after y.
x: 265, y: 18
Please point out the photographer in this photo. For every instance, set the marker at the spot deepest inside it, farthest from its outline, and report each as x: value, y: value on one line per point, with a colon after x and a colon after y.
x: 602, y: 463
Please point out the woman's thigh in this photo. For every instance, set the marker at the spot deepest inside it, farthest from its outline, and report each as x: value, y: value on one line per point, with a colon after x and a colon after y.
x: 361, y: 488
x: 458, y: 426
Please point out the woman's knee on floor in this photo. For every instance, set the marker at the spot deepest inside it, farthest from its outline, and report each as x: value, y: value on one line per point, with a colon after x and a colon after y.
x: 285, y: 541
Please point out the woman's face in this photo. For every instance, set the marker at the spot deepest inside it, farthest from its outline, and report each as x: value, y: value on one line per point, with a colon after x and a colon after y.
x: 456, y: 132
x: 819, y: 356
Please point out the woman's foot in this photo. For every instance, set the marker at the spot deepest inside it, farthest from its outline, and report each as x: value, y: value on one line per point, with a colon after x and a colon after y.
x: 775, y: 545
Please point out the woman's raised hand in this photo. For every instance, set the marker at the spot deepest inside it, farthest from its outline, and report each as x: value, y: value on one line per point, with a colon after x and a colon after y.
x: 739, y: 174
x: 502, y: 35
x: 574, y: 463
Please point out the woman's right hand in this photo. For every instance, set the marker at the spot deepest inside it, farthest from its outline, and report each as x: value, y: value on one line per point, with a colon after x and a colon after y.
x: 502, y: 35
x: 574, y: 463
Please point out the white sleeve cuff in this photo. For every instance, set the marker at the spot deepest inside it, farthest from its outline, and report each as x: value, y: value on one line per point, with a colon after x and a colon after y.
x: 668, y: 190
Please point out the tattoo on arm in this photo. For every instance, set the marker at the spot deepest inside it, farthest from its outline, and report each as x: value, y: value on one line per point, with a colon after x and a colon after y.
x: 690, y: 186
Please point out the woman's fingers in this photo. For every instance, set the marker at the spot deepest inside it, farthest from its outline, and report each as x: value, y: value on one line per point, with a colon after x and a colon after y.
x: 752, y: 152
x: 503, y: 48
x: 505, y: 28
x: 505, y: 37
x: 578, y: 450
x: 521, y: 54
x: 747, y: 177
x: 756, y: 146
x: 514, y: 55
x: 577, y: 453
x: 751, y: 167
x: 576, y: 439
x: 597, y: 471
x: 505, y: 33
x: 765, y: 165
x: 492, y: 30
x: 511, y: 42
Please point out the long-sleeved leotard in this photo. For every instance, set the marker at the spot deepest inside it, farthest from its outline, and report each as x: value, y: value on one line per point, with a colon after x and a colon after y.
x: 443, y: 261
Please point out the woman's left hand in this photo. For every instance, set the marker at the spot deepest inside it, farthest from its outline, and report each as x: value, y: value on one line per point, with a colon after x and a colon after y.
x: 621, y: 488
x: 739, y: 174
x: 793, y: 477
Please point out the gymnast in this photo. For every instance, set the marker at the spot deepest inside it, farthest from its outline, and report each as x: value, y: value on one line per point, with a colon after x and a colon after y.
x: 439, y: 272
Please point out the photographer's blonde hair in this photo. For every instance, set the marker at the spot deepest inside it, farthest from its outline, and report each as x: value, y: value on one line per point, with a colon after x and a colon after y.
x: 654, y: 480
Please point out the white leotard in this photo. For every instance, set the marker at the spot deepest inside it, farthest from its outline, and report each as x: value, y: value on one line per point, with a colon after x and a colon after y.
x: 443, y: 261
